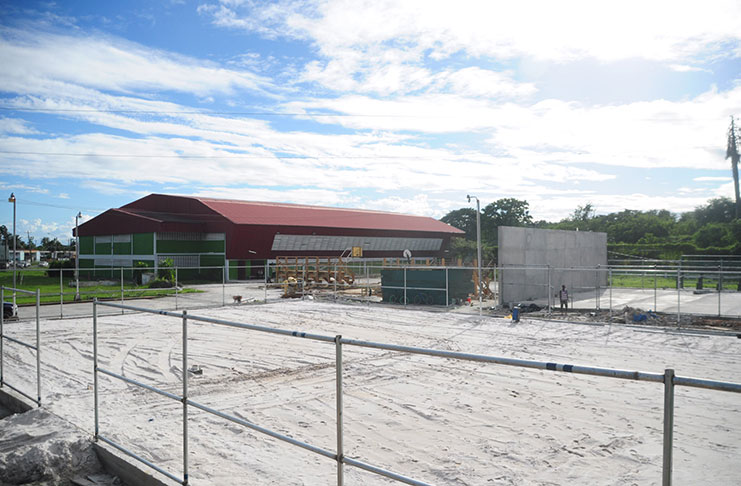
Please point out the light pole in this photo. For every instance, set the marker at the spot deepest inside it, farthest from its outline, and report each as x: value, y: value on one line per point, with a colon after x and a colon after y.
x: 15, y: 246
x: 77, y: 255
x: 478, y: 244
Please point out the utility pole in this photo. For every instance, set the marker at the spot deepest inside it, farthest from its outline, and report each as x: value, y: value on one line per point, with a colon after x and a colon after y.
x: 732, y: 152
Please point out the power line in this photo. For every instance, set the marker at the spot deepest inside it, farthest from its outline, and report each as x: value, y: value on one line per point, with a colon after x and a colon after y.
x: 58, y: 206
x: 235, y: 113
x: 231, y: 156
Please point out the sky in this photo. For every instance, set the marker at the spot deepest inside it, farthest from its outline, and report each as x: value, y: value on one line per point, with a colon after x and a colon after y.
x: 404, y: 106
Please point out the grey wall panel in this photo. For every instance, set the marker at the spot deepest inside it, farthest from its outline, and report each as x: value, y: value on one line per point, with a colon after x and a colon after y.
x: 569, y: 254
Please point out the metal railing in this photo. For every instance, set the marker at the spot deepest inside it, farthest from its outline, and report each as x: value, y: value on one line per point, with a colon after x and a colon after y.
x: 36, y: 348
x: 668, y: 379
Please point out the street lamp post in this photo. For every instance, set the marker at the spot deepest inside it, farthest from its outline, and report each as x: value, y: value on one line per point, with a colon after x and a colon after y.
x: 77, y: 255
x: 478, y: 245
x: 15, y: 247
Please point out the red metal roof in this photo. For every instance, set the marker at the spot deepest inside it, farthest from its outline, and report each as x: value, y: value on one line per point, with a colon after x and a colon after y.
x: 280, y: 214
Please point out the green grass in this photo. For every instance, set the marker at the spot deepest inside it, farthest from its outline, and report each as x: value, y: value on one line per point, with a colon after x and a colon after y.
x: 49, y: 288
x: 668, y: 282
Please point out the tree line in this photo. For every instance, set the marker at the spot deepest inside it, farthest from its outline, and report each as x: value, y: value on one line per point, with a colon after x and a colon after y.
x: 711, y: 228
x: 46, y: 244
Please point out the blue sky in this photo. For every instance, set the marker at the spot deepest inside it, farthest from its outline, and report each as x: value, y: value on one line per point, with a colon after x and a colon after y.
x: 401, y: 106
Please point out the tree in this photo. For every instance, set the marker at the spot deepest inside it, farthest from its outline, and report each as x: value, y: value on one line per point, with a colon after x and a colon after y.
x: 582, y: 214
x: 464, y: 219
x: 718, y: 210
x: 713, y: 234
x: 504, y: 212
x: 48, y: 244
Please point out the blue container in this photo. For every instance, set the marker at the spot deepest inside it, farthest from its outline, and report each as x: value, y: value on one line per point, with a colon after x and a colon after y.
x: 516, y: 314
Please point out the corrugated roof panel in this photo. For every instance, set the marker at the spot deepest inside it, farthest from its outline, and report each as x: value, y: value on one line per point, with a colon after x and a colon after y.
x: 278, y: 214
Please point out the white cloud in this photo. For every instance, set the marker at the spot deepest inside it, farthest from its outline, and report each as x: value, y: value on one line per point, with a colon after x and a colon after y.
x: 16, y: 126
x: 660, y: 30
x: 35, y: 61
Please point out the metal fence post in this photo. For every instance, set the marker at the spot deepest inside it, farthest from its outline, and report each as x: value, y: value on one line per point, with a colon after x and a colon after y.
x: 447, y: 288
x: 655, y: 288
x: 176, y: 288
x: 223, y: 286
x: 38, y: 347
x: 2, y: 334
x: 720, y: 289
x: 668, y: 426
x: 95, y: 363
x: 367, y: 281
x: 122, y: 290
x: 340, y: 451
x: 61, y: 294
x: 267, y: 269
x: 335, y: 281
x: 679, y: 300
x: 185, y: 397
x: 405, y: 285
x: 609, y: 284
x: 596, y: 287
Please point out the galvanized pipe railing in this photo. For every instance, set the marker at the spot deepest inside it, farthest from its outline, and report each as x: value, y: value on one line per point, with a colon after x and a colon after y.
x: 36, y: 348
x: 669, y: 380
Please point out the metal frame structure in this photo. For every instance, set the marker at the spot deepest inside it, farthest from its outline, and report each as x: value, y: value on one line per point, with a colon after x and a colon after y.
x: 668, y: 379
x: 36, y: 348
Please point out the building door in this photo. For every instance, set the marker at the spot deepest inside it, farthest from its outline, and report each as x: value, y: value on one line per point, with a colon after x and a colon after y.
x: 241, y: 270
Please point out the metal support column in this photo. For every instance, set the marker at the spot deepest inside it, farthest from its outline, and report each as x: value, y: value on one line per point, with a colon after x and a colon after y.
x: 176, y: 288
x: 668, y: 426
x: 340, y: 448
x: 223, y: 286
x: 267, y: 269
x: 38, y: 347
x: 95, y: 363
x: 185, y: 397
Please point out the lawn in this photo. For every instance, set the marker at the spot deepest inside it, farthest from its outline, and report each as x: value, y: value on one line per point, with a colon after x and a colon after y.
x: 49, y: 288
x: 669, y: 281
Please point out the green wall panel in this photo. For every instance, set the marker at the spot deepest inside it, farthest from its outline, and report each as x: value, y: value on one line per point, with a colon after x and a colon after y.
x: 102, y: 248
x: 212, y: 260
x: 87, y: 245
x: 86, y: 263
x: 143, y: 243
x: 122, y: 248
x: 168, y: 246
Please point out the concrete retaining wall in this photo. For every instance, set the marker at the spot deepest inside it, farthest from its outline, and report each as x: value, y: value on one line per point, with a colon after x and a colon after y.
x: 568, y: 253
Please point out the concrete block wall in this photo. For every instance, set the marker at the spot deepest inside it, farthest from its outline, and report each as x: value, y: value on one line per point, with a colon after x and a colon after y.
x: 571, y: 256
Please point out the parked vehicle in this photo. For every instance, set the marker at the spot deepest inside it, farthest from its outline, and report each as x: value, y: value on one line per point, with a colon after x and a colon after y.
x: 9, y: 309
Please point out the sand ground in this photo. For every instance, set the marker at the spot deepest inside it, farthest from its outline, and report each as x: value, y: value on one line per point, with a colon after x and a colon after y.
x: 436, y: 420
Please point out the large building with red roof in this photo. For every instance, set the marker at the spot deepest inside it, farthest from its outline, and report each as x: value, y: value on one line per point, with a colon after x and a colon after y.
x: 205, y: 232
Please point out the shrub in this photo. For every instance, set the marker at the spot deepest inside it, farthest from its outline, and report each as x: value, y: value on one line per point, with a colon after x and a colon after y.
x: 160, y: 283
x: 139, y: 271
x: 57, y: 265
x: 166, y: 270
